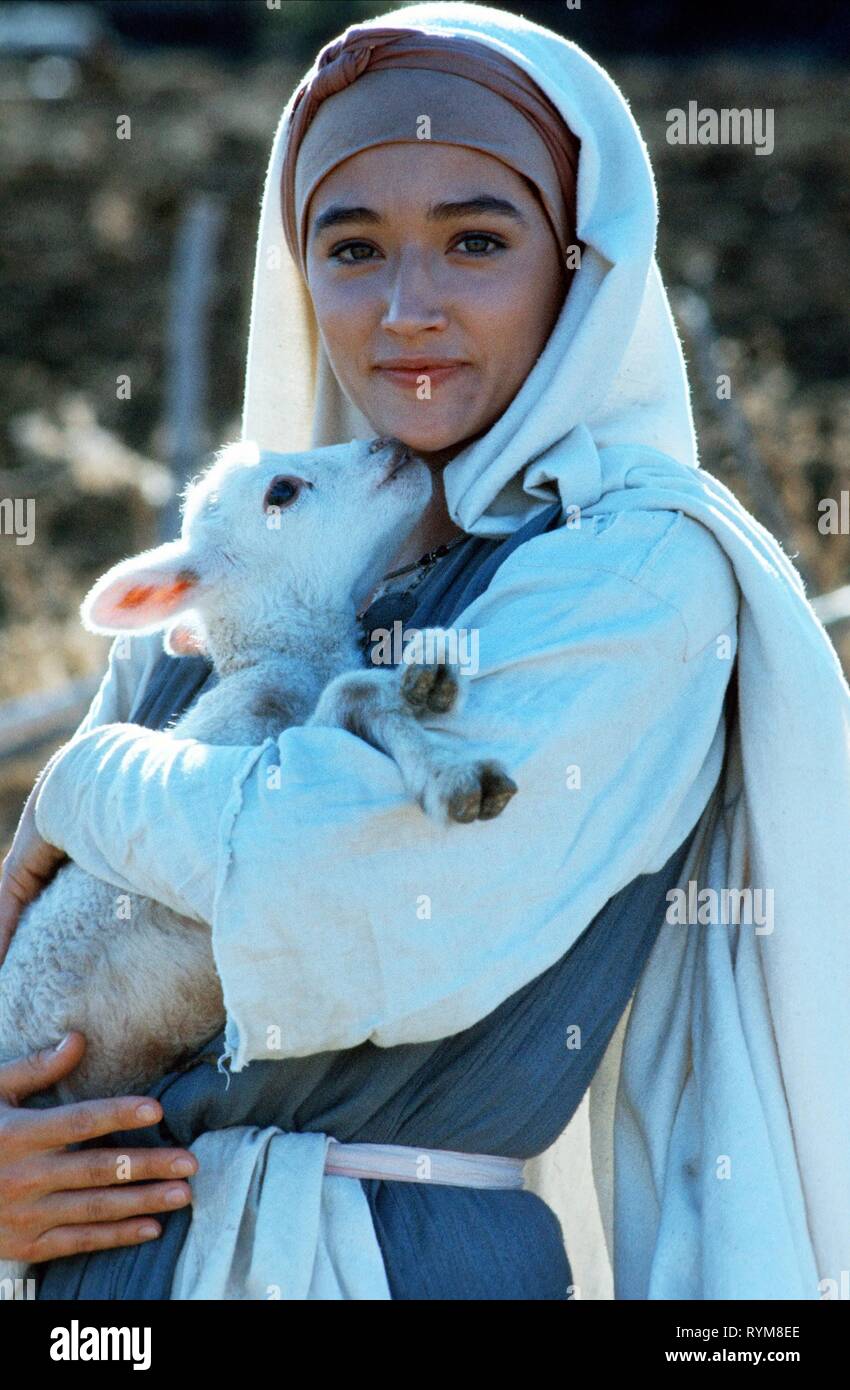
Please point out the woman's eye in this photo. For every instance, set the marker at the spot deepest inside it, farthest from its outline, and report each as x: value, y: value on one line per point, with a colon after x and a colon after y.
x: 483, y: 244
x: 280, y: 492
x: 352, y: 246
x: 479, y: 237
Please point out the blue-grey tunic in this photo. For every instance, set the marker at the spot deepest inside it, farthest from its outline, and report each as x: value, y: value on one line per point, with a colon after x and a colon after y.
x: 508, y: 1085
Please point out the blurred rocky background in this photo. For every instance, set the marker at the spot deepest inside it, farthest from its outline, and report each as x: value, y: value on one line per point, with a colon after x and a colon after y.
x: 97, y: 402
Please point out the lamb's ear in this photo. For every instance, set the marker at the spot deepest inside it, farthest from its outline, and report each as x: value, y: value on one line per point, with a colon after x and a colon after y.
x: 184, y: 640
x: 144, y: 593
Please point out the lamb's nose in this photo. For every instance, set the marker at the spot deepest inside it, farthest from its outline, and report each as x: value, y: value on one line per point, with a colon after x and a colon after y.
x: 397, y: 456
x: 385, y: 445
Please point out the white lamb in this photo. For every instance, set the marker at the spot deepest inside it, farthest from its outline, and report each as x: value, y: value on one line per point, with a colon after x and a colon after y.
x: 275, y: 551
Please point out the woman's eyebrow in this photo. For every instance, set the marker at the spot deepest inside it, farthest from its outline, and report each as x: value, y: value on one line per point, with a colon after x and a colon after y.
x: 339, y: 213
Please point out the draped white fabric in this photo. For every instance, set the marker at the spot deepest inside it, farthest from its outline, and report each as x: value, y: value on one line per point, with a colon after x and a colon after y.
x: 269, y: 1223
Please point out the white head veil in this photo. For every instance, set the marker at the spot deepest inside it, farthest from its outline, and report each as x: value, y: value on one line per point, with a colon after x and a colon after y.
x: 612, y: 367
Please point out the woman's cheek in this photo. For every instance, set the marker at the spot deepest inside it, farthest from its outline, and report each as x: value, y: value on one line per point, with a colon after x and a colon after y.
x: 344, y: 328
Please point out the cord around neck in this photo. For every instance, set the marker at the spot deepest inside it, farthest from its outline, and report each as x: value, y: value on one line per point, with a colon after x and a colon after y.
x: 428, y: 557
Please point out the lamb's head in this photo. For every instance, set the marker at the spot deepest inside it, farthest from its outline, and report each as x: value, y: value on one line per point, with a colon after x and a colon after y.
x: 272, y: 545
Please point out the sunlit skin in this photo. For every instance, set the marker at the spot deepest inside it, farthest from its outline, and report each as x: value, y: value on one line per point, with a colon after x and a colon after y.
x: 394, y: 272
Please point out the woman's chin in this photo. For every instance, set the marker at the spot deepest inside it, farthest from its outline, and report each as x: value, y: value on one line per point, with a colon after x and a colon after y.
x: 431, y: 437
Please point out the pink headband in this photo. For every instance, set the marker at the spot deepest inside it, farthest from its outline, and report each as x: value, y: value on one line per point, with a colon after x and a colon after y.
x: 372, y: 86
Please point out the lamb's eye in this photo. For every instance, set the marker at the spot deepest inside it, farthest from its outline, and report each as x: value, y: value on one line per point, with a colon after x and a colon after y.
x: 281, y: 491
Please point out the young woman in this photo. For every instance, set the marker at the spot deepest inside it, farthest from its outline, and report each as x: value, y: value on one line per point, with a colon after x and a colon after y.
x: 456, y: 248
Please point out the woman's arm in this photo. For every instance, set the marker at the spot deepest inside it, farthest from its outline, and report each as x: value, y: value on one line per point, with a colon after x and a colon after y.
x: 31, y: 862
x: 339, y: 911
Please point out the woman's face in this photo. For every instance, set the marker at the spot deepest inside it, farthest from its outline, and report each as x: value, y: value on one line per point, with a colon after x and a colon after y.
x: 397, y: 273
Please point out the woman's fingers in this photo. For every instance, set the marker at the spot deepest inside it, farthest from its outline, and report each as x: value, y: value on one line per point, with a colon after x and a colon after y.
x: 62, y: 1124
x: 87, y: 1119
x: 47, y: 1210
x: 36, y: 1071
x: 75, y: 1240
x: 105, y: 1168
x: 12, y: 901
x: 26, y: 1076
x: 29, y: 865
x: 95, y: 1205
x: 54, y: 1202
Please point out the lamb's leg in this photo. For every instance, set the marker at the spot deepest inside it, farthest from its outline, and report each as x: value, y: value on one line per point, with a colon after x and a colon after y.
x: 383, y: 707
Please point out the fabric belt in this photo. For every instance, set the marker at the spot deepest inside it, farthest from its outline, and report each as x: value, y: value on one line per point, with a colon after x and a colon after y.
x: 406, y: 1163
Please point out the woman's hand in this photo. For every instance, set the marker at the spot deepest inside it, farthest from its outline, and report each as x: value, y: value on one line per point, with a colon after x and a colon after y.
x: 27, y: 868
x: 55, y: 1203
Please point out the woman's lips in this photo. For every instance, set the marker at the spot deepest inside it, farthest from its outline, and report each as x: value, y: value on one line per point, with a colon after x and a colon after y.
x: 410, y: 376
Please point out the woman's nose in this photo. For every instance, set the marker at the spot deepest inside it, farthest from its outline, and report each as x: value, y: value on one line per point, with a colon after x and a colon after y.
x: 414, y: 300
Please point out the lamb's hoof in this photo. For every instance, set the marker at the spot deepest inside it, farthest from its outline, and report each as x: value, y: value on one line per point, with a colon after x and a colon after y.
x: 431, y: 687
x: 476, y: 791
